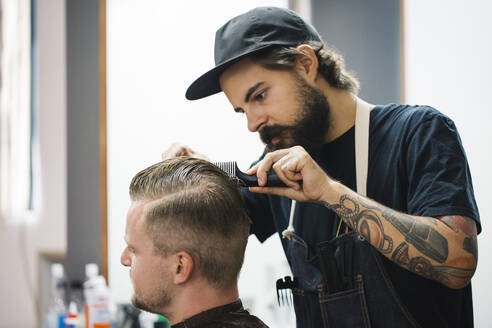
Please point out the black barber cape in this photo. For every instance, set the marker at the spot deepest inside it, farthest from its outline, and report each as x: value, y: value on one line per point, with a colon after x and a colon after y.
x: 231, y: 315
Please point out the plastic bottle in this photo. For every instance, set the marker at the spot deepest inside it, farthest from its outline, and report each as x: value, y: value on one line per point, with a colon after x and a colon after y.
x: 57, y: 311
x: 96, y: 294
x: 161, y: 322
x: 73, y: 319
x: 77, y: 296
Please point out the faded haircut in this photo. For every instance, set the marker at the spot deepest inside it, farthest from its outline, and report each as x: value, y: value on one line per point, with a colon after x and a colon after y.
x: 331, y: 63
x: 197, y: 208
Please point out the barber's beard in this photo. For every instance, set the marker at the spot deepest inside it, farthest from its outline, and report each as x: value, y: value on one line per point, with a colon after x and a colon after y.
x: 309, y: 129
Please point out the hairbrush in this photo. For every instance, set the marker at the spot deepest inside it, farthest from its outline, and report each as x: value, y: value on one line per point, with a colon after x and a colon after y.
x: 249, y: 180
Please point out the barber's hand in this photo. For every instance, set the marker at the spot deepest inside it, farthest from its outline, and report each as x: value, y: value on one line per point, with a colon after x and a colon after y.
x: 292, y: 165
x: 177, y: 149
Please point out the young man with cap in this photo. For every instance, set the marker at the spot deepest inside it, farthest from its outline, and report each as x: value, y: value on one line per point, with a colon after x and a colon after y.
x: 383, y: 233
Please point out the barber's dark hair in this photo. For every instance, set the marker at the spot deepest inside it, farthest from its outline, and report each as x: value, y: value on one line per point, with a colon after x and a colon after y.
x: 195, y: 207
x: 331, y: 63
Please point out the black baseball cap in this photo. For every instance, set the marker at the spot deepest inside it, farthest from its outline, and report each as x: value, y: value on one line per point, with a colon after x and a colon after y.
x: 246, y: 34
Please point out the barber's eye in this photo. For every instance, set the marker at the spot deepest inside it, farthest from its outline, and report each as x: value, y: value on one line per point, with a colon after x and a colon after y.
x: 260, y: 96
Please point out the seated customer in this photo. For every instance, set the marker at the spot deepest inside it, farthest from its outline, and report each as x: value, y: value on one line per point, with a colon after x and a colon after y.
x: 186, y: 233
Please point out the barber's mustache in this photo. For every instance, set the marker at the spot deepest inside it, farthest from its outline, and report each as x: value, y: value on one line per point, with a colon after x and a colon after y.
x: 272, y: 131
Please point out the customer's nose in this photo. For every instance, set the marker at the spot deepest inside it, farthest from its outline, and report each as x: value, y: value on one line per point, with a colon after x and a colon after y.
x: 125, y: 258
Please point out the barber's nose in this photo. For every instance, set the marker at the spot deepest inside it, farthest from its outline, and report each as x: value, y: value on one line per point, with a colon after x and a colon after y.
x: 255, y: 120
x: 125, y: 258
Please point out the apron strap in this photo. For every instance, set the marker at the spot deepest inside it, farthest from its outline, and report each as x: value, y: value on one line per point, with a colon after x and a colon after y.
x: 362, y: 119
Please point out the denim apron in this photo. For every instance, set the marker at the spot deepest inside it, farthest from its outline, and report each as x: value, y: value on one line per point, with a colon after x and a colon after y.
x: 342, y: 282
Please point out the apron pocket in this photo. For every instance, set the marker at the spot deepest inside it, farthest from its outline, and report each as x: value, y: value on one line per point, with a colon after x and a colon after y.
x: 347, y: 308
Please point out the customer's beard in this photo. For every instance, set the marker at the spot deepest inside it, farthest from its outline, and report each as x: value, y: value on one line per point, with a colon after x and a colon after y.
x: 154, y: 304
x: 311, y: 125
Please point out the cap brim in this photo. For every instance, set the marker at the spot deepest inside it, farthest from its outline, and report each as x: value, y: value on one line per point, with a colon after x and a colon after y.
x: 208, y: 84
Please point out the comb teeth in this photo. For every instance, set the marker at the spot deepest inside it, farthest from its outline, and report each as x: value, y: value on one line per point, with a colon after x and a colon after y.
x: 285, y: 288
x: 227, y: 167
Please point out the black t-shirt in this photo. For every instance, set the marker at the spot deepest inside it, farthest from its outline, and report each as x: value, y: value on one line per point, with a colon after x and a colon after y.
x: 417, y: 165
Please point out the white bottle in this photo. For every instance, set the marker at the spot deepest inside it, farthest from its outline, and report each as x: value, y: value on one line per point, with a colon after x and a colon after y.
x: 73, y: 320
x: 57, y: 311
x: 96, y: 294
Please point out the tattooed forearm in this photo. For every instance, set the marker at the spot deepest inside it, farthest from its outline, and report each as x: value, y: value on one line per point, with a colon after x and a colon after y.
x: 366, y: 222
x: 423, y: 267
x: 425, y: 238
x: 470, y: 245
x: 422, y: 246
x: 467, y: 226
x: 457, y: 223
x: 400, y: 255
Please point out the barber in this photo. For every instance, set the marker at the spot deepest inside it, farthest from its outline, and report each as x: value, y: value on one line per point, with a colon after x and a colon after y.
x: 378, y: 213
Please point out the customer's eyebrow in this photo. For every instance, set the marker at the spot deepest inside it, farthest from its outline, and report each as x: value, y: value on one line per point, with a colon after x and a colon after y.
x: 251, y: 90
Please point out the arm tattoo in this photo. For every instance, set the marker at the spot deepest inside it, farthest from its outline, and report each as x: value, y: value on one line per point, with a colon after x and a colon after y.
x: 423, y: 267
x: 368, y: 220
x: 470, y: 245
x: 460, y: 223
x: 348, y: 209
x: 457, y: 223
x: 423, y: 237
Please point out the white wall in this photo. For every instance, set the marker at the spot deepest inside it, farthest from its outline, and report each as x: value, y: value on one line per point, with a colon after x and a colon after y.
x: 155, y: 50
x: 47, y: 232
x: 448, y: 49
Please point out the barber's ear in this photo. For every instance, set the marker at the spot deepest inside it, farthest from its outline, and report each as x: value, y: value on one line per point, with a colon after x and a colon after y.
x: 183, y: 267
x: 307, y: 64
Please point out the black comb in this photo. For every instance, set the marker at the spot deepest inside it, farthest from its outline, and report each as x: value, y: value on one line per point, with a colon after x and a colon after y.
x: 284, y: 296
x: 249, y: 180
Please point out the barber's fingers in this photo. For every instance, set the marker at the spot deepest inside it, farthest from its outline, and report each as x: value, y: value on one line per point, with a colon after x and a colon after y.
x: 262, y: 167
x: 177, y: 149
x: 281, y: 191
x: 285, y: 168
x: 290, y: 165
x: 287, y: 164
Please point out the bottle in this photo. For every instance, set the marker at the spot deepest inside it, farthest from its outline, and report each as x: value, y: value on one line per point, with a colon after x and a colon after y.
x: 147, y: 319
x: 57, y: 310
x: 73, y: 319
x: 96, y: 294
x: 91, y: 271
x: 77, y: 296
x: 161, y: 322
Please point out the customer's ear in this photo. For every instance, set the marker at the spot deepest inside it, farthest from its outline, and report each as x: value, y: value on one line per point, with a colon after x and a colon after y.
x: 183, y: 267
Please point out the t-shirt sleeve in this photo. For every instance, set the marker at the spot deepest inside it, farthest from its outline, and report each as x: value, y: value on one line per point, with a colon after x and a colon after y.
x: 439, y: 180
x: 258, y: 207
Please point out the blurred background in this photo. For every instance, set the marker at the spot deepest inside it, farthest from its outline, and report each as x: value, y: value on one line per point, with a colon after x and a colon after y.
x: 92, y: 91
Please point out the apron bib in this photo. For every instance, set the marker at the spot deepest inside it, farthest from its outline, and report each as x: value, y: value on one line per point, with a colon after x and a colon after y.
x: 342, y: 282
